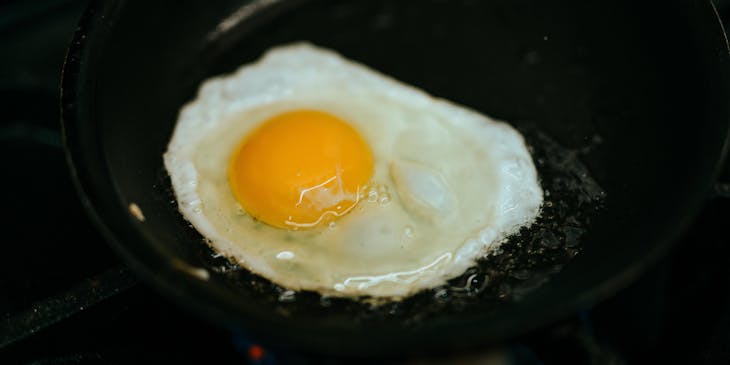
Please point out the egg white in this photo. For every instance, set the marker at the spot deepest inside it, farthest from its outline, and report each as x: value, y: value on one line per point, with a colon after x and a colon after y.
x: 449, y: 183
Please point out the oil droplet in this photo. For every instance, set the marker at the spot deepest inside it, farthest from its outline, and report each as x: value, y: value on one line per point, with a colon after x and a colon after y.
x: 325, y: 301
x: 441, y: 294
x: 285, y: 255
x: 332, y: 226
x: 408, y: 232
x: 504, y: 291
x: 549, y: 240
x: 287, y: 296
x: 572, y: 236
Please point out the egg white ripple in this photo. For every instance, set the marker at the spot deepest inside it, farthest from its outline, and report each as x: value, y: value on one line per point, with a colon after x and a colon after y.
x: 457, y: 183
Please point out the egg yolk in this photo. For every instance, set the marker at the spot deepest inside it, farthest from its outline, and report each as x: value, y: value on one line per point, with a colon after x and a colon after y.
x: 300, y: 169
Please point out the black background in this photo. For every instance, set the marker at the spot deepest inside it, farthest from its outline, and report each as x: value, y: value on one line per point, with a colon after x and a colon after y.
x: 679, y: 312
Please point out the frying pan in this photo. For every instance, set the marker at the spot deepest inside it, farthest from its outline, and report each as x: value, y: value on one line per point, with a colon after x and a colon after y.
x: 652, y: 83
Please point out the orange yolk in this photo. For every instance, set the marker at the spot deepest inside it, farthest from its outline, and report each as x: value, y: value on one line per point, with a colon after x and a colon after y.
x: 300, y: 169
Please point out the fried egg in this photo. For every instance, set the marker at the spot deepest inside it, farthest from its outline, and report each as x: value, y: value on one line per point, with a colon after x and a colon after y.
x: 321, y: 174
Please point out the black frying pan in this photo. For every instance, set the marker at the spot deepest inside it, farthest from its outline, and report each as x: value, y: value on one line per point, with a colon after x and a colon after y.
x: 652, y: 83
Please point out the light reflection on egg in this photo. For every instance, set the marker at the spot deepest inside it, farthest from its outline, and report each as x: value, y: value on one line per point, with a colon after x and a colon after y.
x: 321, y: 174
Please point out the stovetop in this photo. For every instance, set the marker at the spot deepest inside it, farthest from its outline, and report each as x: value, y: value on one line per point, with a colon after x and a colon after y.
x: 66, y: 298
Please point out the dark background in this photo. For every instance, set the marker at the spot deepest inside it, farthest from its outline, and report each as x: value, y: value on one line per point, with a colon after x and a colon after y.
x: 57, y: 306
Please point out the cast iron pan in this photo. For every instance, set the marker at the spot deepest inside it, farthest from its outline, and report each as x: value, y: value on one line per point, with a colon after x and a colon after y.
x: 653, y: 85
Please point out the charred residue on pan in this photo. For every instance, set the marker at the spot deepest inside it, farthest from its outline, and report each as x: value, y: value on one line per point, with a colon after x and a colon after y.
x: 521, y: 264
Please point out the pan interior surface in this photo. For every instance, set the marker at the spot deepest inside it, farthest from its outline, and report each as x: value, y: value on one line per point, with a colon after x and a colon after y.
x: 652, y: 84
